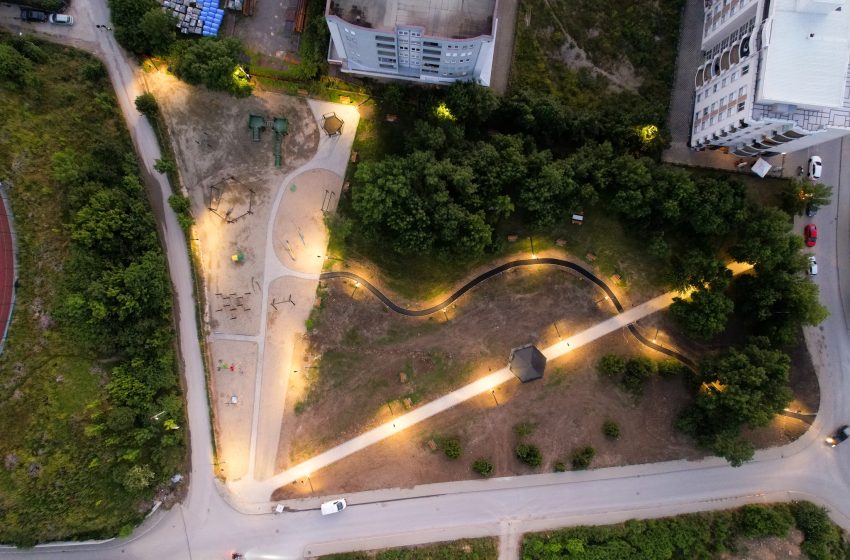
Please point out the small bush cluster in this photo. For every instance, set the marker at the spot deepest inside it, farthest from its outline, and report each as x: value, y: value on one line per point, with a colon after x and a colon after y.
x: 583, y: 457
x: 529, y: 454
x: 611, y: 429
x: 483, y: 467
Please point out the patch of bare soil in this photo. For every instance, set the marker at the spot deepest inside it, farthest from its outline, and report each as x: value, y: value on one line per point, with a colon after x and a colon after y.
x: 770, y: 548
x: 210, y: 133
x: 363, y: 349
x: 622, y: 75
x: 567, y: 407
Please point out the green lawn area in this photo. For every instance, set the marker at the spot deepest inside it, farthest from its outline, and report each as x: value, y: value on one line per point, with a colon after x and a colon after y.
x: 70, y: 438
x: 467, y: 549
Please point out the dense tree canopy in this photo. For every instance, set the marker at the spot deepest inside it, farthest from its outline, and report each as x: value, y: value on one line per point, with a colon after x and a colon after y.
x: 210, y: 61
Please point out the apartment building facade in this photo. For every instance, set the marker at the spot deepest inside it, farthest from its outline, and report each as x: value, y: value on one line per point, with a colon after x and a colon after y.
x: 774, y: 76
x: 432, y: 41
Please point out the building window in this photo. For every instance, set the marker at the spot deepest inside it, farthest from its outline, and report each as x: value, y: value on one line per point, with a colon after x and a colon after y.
x: 715, y: 89
x: 699, y: 97
x: 729, y: 112
x: 430, y: 44
x: 385, y: 59
x: 386, y: 46
x: 386, y: 66
x: 745, y: 70
x: 741, y: 106
x: 734, y: 76
x: 742, y: 90
x: 723, y: 83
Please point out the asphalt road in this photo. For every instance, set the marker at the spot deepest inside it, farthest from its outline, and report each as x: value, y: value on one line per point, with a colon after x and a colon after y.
x: 208, y: 526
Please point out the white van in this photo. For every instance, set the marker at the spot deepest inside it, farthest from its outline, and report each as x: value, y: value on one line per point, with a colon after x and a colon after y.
x: 334, y: 506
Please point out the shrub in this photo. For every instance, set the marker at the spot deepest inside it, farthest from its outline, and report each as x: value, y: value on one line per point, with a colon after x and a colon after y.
x: 560, y: 466
x: 761, y: 521
x: 523, y: 429
x: 483, y: 467
x: 583, y: 457
x: 611, y: 365
x: 611, y: 429
x: 182, y: 207
x: 671, y: 368
x: 638, y: 371
x: 146, y: 104
x: 529, y: 454
x: 451, y: 447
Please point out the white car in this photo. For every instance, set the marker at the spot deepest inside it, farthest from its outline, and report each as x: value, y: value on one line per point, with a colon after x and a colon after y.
x: 334, y: 506
x: 813, y: 265
x: 815, y: 167
x: 61, y: 19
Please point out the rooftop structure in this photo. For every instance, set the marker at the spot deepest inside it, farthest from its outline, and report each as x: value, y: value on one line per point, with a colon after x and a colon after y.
x: 437, y: 41
x: 775, y: 75
x: 452, y: 19
x: 527, y: 363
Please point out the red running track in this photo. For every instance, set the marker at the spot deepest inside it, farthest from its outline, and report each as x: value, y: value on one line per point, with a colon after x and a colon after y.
x: 7, y: 271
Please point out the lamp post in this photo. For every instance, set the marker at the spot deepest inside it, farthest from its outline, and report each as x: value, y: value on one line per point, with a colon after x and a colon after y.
x: 311, y: 484
x: 493, y: 392
x: 356, y: 285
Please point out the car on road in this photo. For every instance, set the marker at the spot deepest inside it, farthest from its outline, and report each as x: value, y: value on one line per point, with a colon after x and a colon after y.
x: 813, y: 265
x: 61, y: 19
x: 840, y: 435
x: 28, y: 14
x: 815, y: 168
x: 334, y: 506
x: 810, y: 233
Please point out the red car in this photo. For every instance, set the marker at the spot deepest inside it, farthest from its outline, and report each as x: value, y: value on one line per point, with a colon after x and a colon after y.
x: 810, y: 233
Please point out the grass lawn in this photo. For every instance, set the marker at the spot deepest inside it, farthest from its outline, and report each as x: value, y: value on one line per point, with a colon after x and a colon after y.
x: 53, y: 408
x: 469, y: 549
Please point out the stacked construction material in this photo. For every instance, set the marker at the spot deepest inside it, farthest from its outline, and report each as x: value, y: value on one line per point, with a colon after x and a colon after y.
x: 200, y: 17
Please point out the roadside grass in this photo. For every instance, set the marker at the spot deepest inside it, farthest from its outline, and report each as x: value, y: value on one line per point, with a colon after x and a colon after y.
x: 469, y: 549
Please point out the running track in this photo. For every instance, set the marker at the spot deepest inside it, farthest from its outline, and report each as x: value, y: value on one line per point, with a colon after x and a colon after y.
x: 7, y: 269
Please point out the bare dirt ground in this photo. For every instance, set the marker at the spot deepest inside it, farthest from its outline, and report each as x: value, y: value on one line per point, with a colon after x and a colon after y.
x: 365, y: 348
x: 771, y: 548
x: 232, y: 183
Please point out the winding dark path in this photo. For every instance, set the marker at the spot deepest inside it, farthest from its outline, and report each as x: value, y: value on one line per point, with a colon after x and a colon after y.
x: 483, y: 277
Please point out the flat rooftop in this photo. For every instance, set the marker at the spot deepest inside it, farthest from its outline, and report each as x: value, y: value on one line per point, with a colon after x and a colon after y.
x: 454, y: 19
x: 805, y: 62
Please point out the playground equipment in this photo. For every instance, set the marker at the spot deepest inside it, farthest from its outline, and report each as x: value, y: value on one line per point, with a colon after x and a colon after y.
x: 332, y: 124
x: 280, y: 125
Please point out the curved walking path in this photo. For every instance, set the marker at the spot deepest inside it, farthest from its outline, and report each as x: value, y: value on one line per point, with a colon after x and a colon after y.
x: 483, y: 277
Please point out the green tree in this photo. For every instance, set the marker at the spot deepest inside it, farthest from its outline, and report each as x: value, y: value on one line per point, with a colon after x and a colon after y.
x: 704, y: 315
x: 138, y: 478
x: 157, y: 31
x: 471, y: 103
x: 796, y: 194
x: 147, y: 105
x: 766, y: 240
x: 210, y: 61
x: 165, y: 166
x: 697, y: 267
x: 127, y: 16
x: 746, y: 386
x: 717, y: 207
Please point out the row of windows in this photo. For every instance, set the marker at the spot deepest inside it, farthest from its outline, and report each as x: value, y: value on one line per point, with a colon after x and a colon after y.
x: 732, y: 77
x: 404, y: 33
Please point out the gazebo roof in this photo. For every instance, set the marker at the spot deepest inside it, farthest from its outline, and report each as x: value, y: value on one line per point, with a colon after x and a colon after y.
x: 332, y: 124
x: 527, y: 363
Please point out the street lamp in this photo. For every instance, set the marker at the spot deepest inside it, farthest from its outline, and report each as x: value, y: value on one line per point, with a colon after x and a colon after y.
x: 310, y: 483
x: 493, y: 392
x: 356, y: 285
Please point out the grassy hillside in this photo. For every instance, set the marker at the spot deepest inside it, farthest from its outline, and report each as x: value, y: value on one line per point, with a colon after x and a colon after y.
x: 89, y: 360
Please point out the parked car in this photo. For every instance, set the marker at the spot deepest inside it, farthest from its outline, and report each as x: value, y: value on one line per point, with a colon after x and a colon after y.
x: 840, y: 435
x: 810, y: 233
x: 811, y: 209
x: 813, y: 265
x: 334, y: 506
x: 815, y: 167
x: 61, y: 19
x: 28, y: 14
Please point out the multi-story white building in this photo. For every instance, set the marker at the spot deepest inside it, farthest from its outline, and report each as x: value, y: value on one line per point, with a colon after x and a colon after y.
x: 436, y: 41
x: 774, y: 76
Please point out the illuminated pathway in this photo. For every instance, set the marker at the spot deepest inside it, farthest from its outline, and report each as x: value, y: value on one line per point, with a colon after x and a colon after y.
x: 260, y: 491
